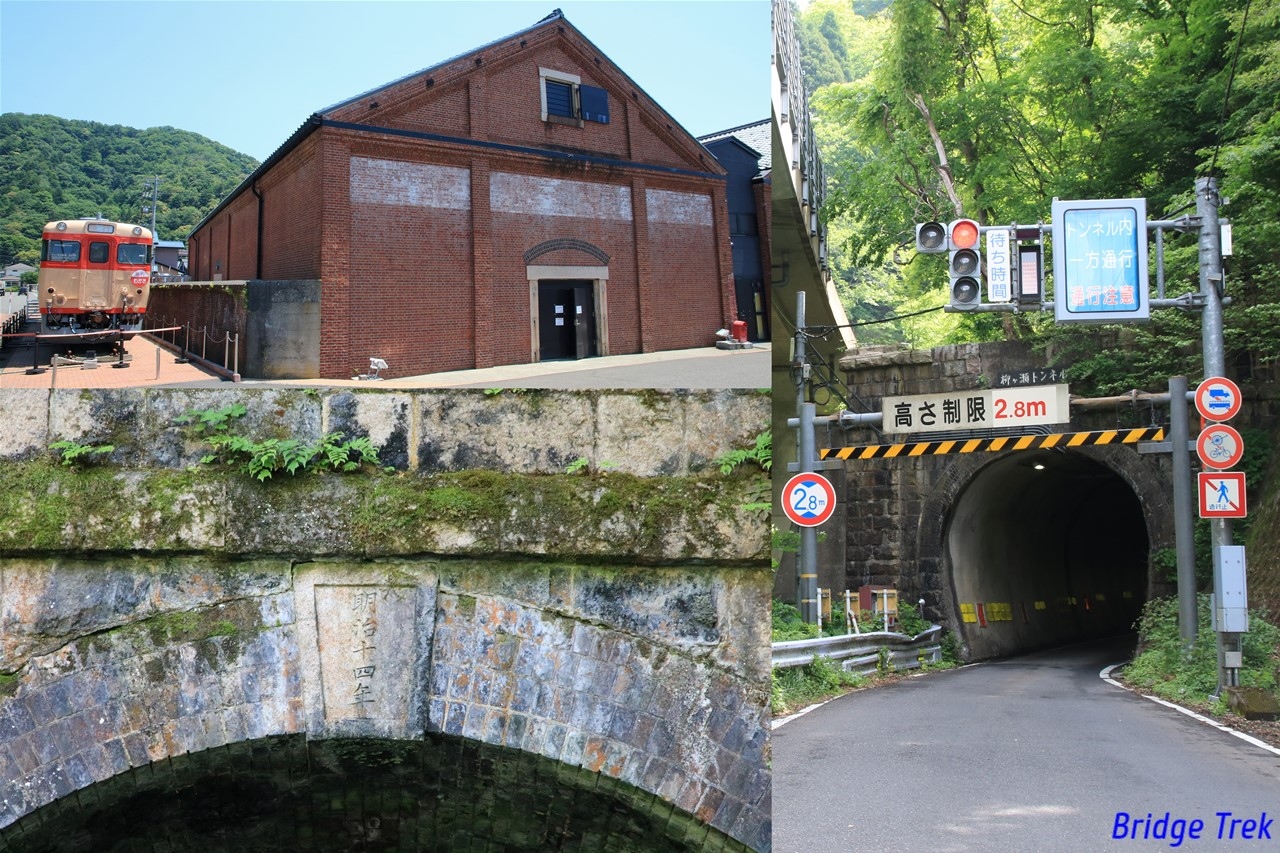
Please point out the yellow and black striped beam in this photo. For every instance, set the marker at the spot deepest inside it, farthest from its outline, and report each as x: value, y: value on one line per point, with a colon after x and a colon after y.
x: 992, y: 445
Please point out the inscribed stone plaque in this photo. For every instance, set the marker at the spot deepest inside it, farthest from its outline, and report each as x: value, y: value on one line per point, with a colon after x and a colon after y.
x: 367, y: 640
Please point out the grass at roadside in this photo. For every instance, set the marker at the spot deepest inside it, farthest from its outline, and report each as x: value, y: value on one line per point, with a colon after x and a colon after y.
x: 1164, y: 667
x: 796, y: 687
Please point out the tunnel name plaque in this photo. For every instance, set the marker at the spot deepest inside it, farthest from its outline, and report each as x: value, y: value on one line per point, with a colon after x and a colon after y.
x: 366, y: 636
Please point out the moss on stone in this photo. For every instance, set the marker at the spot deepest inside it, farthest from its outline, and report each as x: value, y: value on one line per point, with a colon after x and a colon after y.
x: 113, y: 510
x: 9, y: 682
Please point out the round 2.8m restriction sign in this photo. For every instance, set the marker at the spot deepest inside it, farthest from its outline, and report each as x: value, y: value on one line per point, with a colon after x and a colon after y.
x: 808, y: 499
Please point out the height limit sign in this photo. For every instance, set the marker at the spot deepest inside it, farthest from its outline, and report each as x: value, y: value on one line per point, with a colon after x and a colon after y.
x: 808, y: 499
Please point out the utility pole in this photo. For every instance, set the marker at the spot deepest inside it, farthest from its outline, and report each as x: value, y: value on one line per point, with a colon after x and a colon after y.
x: 1211, y: 290
x: 807, y: 559
x: 154, y: 186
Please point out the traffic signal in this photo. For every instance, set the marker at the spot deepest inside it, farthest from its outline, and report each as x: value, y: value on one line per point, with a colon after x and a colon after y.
x: 965, y: 264
x: 931, y: 238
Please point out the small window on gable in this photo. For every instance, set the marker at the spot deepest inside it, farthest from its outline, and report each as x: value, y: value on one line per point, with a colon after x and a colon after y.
x: 565, y: 100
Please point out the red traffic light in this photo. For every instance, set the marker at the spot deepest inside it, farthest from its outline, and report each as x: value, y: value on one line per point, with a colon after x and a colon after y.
x: 963, y: 234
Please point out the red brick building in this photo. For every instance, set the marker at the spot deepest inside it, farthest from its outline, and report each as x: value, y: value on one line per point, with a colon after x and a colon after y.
x: 523, y: 202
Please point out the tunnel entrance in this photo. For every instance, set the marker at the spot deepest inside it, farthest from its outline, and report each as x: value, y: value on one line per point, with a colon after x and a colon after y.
x: 286, y: 794
x: 1045, y: 547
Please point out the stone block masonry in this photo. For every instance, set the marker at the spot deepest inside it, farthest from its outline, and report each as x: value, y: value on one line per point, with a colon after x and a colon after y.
x: 158, y: 617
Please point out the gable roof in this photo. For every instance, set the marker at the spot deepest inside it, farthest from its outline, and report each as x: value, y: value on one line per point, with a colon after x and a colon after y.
x: 757, y: 136
x: 365, y: 107
x: 456, y: 67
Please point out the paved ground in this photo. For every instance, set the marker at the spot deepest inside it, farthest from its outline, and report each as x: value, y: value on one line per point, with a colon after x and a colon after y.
x: 150, y: 365
x: 1031, y: 753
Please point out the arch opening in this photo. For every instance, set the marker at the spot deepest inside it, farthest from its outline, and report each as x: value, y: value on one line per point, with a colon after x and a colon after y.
x: 1045, y: 547
x: 442, y: 793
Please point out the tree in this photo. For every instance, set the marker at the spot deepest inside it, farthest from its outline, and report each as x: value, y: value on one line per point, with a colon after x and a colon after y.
x: 963, y: 111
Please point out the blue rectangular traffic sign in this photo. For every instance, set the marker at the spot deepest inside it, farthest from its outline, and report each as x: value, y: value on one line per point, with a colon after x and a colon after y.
x: 1100, y: 261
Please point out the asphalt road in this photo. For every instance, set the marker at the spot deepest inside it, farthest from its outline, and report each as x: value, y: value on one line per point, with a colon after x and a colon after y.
x: 1036, y: 753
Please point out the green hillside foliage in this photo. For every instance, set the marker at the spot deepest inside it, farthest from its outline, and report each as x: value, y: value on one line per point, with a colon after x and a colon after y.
x: 933, y: 109
x: 54, y: 168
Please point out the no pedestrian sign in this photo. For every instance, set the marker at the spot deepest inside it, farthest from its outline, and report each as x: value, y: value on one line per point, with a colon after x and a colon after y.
x: 1222, y: 494
x: 808, y: 499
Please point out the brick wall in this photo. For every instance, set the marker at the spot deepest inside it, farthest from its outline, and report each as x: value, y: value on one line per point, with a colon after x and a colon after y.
x: 420, y: 243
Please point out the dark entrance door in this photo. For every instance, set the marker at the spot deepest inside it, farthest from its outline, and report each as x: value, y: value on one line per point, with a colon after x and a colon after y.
x: 566, y: 319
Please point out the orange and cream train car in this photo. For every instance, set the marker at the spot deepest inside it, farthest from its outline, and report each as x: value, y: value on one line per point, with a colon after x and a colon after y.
x: 95, y: 276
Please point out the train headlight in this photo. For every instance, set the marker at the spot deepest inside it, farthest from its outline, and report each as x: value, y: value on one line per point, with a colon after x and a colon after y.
x: 61, y: 226
x: 137, y: 232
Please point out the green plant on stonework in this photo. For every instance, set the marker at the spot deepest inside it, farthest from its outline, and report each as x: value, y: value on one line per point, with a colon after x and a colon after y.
x: 72, y: 453
x: 582, y: 463
x: 261, y: 460
x: 1165, y: 667
x: 761, y: 453
x: 211, y: 420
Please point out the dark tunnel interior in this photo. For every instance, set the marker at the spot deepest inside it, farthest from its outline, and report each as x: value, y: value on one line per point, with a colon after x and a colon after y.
x: 1045, y: 547
x: 288, y: 794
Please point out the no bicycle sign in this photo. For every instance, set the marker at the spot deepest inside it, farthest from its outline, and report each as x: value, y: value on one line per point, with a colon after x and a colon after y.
x: 808, y: 499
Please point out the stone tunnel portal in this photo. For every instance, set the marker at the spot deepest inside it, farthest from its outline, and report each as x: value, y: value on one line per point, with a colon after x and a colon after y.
x: 287, y: 793
x: 1045, y: 547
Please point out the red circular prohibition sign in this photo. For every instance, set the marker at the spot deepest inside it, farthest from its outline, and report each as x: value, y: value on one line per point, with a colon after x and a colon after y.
x: 808, y: 499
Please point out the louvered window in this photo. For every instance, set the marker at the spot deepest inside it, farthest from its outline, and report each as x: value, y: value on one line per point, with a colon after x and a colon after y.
x: 560, y: 99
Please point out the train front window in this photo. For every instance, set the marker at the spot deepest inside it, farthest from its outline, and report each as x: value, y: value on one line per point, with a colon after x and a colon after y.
x: 136, y: 254
x: 98, y: 253
x: 61, y: 251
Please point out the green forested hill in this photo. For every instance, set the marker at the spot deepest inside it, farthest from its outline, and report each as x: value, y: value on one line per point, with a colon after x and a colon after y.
x: 54, y: 168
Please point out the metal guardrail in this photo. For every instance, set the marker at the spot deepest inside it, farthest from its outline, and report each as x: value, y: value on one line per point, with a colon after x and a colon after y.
x: 860, y: 653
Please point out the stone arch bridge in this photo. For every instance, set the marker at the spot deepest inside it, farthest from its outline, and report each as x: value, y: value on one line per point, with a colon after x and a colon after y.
x: 473, y: 651
x: 1015, y: 549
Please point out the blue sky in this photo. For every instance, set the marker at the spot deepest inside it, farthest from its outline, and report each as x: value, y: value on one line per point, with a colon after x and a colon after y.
x: 247, y: 74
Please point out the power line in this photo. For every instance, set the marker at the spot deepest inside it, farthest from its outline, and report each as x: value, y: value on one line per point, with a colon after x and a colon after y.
x: 1231, y: 78
x: 823, y: 331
